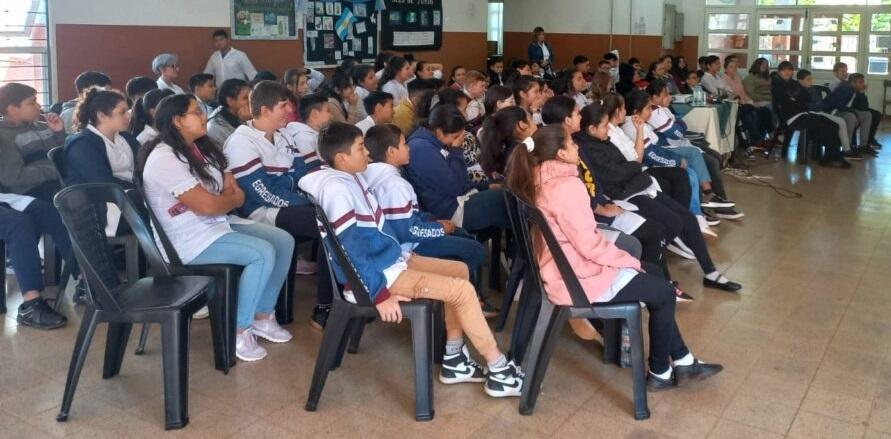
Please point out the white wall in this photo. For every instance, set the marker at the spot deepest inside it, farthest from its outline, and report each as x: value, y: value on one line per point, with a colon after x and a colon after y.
x: 460, y: 15
x: 583, y: 16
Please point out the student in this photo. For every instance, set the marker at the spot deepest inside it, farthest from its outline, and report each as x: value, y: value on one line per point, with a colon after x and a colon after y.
x: 82, y: 83
x: 404, y: 113
x: 501, y: 132
x: 137, y: 87
x: 679, y: 73
x: 428, y: 70
x: 627, y: 78
x: 860, y: 104
x: 574, y: 86
x: 841, y: 101
x: 204, y: 88
x: 711, y: 81
x: 582, y: 64
x: 438, y: 173
x: 24, y: 143
x: 624, y: 180
x: 527, y: 95
x: 702, y: 61
x: 395, y: 78
x: 233, y: 111
x: 518, y: 68
x: 847, y: 122
x: 690, y: 82
x: 751, y: 116
x: 495, y: 68
x: 267, y: 165
x: 228, y: 62
x: 142, y: 115
x: 379, y: 106
x: 416, y: 231
x: 380, y: 63
x: 343, y: 102
x: 545, y: 174
x: 475, y: 89
x: 456, y: 78
x: 23, y: 220
x: 315, y: 115
x: 188, y: 188
x: 166, y: 66
x: 391, y: 277
x: 498, y: 97
x: 839, y: 75
x: 366, y: 82
x: 757, y: 83
x: 296, y: 80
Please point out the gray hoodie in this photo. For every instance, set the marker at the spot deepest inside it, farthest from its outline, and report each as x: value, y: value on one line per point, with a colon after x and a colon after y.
x: 23, y: 161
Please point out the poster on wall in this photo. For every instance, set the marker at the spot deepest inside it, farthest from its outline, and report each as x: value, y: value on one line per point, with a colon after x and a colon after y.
x: 334, y: 29
x: 412, y: 25
x: 264, y: 20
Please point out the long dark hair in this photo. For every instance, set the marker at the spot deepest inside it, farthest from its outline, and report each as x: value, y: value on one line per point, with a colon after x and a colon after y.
x: 496, y: 138
x: 612, y: 102
x: 168, y: 110
x: 381, y: 60
x: 557, y: 109
x: 523, y: 83
x: 96, y: 101
x: 636, y: 101
x: 446, y: 118
x: 142, y: 115
x: 394, y: 65
x: 593, y: 114
x: 524, y: 163
x: 494, y: 94
x: 756, y: 68
x: 230, y: 88
x: 358, y: 72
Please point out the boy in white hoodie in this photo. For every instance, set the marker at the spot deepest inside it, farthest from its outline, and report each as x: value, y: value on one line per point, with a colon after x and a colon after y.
x: 315, y: 116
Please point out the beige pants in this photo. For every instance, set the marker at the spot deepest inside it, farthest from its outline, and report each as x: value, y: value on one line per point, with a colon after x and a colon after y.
x: 447, y: 281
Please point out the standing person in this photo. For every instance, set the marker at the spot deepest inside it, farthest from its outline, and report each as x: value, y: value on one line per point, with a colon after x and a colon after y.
x: 24, y: 143
x: 188, y: 188
x: 166, y: 66
x: 233, y: 111
x: 228, y: 62
x: 539, y: 50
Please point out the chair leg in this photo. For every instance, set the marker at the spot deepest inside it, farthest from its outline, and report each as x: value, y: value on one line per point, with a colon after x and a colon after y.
x: 612, y: 341
x: 81, y: 347
x: 516, y: 275
x: 422, y: 343
x: 63, y: 283
x: 638, y: 365
x: 131, y: 256
x: 115, y: 346
x: 550, y: 320
x: 3, y: 278
x: 352, y: 326
x: 217, y: 307
x: 284, y: 306
x: 49, y: 261
x: 143, y: 338
x: 495, y: 262
x: 357, y: 328
x: 524, y: 322
x: 175, y: 352
x: 335, y: 331
x: 231, y: 293
x: 439, y: 331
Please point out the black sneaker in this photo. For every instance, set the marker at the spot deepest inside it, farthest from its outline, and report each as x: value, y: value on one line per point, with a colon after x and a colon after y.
x: 656, y: 384
x: 507, y: 381
x: 38, y: 314
x: 320, y: 316
x: 697, y: 371
x: 460, y: 368
x: 489, y: 311
x: 714, y: 200
x: 853, y: 155
x: 727, y: 213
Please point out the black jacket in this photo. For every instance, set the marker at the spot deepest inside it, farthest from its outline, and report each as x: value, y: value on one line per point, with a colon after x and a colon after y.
x: 839, y: 98
x: 618, y: 177
x: 787, y: 97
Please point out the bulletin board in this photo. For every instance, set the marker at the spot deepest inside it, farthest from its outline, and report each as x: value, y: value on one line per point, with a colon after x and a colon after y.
x: 336, y: 28
x: 264, y: 20
x: 409, y: 25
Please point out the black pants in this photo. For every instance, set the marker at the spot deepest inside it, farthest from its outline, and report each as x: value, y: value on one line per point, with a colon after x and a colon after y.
x: 45, y: 191
x: 674, y: 182
x: 484, y: 210
x: 678, y: 222
x: 821, y: 131
x: 712, y: 161
x: 300, y: 222
x: 665, y: 337
x: 651, y: 235
x: 874, y: 124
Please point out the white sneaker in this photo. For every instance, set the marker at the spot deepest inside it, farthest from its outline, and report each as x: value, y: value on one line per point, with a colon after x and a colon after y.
x: 677, y: 247
x: 304, y: 267
x: 269, y: 329
x: 704, y: 228
x: 247, y: 348
x: 201, y: 314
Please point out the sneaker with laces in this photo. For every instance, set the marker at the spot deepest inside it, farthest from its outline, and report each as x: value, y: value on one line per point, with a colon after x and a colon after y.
x: 712, y: 199
x: 269, y: 329
x: 506, y: 381
x: 680, y: 252
x: 728, y: 213
x: 247, y: 348
x: 460, y: 368
x: 705, y: 229
x: 304, y: 267
x: 38, y: 314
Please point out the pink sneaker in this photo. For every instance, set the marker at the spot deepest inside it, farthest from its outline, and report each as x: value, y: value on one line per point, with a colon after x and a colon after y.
x: 247, y: 348
x: 270, y: 330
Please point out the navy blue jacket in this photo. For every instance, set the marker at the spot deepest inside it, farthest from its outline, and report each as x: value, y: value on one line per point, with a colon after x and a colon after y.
x: 838, y: 99
x: 536, y: 54
x: 86, y: 161
x: 438, y: 174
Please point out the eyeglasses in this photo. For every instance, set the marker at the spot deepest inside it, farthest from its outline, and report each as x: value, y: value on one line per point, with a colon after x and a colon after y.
x: 173, y: 66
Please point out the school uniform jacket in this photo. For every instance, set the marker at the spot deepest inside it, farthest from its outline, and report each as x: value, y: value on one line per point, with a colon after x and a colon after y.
x: 306, y: 139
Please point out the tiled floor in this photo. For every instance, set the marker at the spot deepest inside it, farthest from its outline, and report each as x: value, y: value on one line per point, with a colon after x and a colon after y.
x: 806, y: 348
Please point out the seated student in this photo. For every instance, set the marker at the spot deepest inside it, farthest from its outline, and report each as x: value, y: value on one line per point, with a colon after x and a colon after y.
x: 428, y: 70
x: 757, y: 83
x: 379, y: 106
x: 527, y: 95
x: 860, y: 103
x: 500, y: 133
x: 846, y: 121
x: 23, y: 220
x: 142, y: 115
x: 573, y: 85
x: 366, y: 82
x: 495, y: 69
x: 841, y: 101
x: 395, y: 77
x: 498, y: 97
x: 404, y: 113
x: 438, y: 173
x: 601, y: 85
x: 627, y: 79
x: 690, y: 82
x: 544, y: 173
x: 671, y: 133
x: 315, y: 115
x: 296, y: 80
x: 790, y: 100
x: 380, y: 63
x: 188, y: 188
x: 343, y: 102
x: 24, y: 143
x: 137, y: 87
x: 204, y: 88
x: 267, y: 165
x: 712, y: 82
x: 475, y: 89
x: 624, y: 180
x: 166, y: 66
x: 415, y: 231
x: 751, y: 116
x: 456, y: 78
x: 392, y: 277
x: 234, y: 110
x: 538, y: 72
x: 82, y: 83
x: 582, y: 64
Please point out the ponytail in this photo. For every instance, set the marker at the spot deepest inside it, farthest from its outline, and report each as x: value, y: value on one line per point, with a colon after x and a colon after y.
x: 142, y: 115
x: 93, y: 102
x: 528, y: 156
x: 495, y: 136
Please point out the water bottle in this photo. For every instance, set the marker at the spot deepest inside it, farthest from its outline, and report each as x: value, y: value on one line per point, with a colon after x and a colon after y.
x: 625, y: 354
x: 698, y: 95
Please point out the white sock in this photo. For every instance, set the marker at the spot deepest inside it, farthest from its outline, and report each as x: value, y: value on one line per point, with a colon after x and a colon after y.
x: 686, y: 361
x: 454, y: 347
x: 717, y: 277
x: 664, y: 375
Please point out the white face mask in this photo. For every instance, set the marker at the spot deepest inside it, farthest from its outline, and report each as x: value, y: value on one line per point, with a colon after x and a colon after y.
x: 437, y: 74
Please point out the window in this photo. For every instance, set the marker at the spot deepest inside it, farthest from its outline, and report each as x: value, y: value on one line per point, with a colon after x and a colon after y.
x: 835, y: 37
x: 879, y: 44
x: 780, y: 36
x: 495, y: 27
x: 24, y: 48
x: 728, y: 33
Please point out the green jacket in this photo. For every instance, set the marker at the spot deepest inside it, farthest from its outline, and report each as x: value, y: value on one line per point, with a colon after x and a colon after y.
x: 757, y: 88
x: 23, y: 161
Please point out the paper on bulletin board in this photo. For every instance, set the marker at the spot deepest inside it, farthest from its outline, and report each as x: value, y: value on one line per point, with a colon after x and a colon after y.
x: 413, y: 38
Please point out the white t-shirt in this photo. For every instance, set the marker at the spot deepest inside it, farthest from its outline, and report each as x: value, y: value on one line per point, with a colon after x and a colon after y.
x: 120, y: 155
x: 147, y: 135
x: 166, y: 178
x: 365, y: 124
x: 16, y: 201
x: 626, y: 145
x: 172, y: 87
x: 397, y: 89
x: 235, y: 65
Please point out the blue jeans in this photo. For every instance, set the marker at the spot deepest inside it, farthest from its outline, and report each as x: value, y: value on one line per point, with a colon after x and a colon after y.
x: 21, y: 232
x: 265, y: 253
x: 693, y: 156
x: 693, y: 176
x: 456, y: 247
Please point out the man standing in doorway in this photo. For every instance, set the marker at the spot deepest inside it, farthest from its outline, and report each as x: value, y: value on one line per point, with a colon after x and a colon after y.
x: 228, y: 62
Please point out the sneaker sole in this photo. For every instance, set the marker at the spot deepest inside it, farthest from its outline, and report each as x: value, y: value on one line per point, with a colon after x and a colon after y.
x: 270, y: 338
x: 445, y: 380
x: 714, y: 205
x: 682, y: 254
x: 730, y: 217
x: 503, y: 393
x: 41, y: 327
x: 249, y: 360
x: 305, y: 273
x: 712, y: 236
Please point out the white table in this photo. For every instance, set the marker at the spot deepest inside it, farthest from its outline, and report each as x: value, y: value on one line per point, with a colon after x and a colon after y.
x: 705, y: 120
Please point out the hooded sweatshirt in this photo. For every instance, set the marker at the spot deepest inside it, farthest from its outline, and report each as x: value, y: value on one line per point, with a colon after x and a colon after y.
x: 358, y: 221
x: 438, y: 174
x: 23, y: 161
x: 306, y: 138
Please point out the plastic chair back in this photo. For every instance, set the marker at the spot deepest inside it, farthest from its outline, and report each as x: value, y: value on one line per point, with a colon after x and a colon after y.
x: 57, y: 156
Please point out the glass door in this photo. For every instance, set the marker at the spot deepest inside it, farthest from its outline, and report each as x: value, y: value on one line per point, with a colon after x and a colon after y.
x: 781, y: 34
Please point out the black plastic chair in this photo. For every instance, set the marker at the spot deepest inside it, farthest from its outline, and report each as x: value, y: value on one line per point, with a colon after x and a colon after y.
x: 222, y: 304
x: 552, y: 318
x: 346, y: 316
x: 166, y: 299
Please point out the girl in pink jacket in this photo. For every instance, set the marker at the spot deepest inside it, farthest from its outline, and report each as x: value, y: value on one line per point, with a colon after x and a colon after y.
x: 543, y: 171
